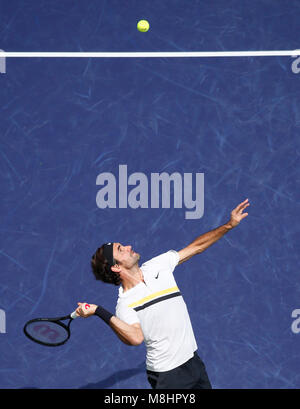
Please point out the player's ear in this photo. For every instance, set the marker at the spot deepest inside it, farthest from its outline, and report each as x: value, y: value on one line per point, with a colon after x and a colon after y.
x: 116, y: 268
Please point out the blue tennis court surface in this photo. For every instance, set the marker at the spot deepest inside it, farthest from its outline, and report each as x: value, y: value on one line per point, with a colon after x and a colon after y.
x: 65, y: 122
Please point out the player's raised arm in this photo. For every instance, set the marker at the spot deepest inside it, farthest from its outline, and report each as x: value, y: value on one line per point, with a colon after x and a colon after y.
x: 204, y: 241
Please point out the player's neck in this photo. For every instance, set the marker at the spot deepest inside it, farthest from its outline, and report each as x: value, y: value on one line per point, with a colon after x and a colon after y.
x: 132, y: 278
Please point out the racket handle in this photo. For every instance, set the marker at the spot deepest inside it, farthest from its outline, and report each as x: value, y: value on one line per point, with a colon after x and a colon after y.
x: 74, y: 315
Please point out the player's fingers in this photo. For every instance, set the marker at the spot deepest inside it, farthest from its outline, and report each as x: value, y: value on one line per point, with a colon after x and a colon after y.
x: 78, y: 312
x: 241, y: 204
x: 80, y: 308
x: 244, y: 202
x: 244, y: 207
x: 83, y: 305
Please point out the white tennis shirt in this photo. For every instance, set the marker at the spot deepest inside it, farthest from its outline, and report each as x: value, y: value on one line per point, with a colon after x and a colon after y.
x: 158, y: 306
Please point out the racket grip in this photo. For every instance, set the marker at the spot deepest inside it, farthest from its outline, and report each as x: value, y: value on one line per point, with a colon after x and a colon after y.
x: 74, y: 315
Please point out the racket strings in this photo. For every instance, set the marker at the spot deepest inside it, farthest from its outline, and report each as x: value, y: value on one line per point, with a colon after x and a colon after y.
x: 47, y: 332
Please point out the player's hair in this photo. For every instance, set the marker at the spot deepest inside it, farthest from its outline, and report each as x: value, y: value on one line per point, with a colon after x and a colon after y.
x: 102, y: 270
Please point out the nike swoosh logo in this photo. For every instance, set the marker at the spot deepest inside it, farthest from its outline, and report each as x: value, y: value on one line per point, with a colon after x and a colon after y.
x: 157, y: 275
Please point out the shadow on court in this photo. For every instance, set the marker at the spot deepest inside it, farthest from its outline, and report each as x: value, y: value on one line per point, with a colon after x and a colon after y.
x: 110, y: 380
x: 115, y: 378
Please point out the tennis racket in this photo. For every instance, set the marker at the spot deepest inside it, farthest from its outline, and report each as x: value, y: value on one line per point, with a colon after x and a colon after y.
x: 50, y: 332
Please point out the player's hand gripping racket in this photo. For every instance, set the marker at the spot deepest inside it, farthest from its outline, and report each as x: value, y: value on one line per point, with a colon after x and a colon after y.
x: 51, y: 332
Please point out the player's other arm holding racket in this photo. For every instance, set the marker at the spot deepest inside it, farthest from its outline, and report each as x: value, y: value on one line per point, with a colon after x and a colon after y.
x: 204, y: 241
x: 129, y: 334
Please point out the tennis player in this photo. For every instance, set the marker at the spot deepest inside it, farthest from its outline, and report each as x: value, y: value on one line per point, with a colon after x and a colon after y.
x: 151, y: 309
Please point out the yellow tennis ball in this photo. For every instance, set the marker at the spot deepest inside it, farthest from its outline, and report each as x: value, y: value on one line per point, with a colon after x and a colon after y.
x: 143, y: 26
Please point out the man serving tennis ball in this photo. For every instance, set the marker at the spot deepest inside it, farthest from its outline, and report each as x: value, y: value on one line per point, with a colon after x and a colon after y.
x: 150, y: 307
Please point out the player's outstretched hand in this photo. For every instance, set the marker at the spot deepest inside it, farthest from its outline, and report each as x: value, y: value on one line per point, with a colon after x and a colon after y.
x: 237, y: 214
x: 85, y: 310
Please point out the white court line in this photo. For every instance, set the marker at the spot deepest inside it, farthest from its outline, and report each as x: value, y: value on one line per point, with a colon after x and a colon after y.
x: 88, y: 54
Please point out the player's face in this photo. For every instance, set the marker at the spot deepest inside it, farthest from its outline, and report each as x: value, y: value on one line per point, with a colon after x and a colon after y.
x: 125, y: 255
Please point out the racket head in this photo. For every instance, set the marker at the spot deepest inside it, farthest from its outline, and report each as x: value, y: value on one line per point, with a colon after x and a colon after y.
x: 49, y: 332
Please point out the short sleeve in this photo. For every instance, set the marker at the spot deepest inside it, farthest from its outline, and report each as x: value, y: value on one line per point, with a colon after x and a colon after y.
x: 164, y: 262
x: 174, y: 258
x: 126, y: 314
